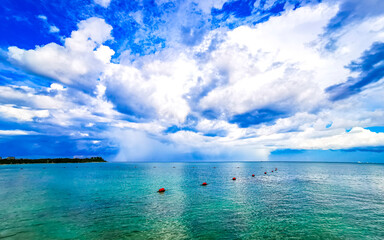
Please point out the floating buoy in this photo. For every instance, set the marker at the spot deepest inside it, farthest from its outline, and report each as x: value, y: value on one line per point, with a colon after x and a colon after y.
x: 161, y: 190
x: 265, y: 172
x: 272, y: 170
x: 275, y: 169
x: 204, y: 184
x: 253, y: 175
x: 234, y: 178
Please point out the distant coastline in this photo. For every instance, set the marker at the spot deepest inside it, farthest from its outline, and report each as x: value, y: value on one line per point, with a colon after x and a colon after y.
x: 50, y: 160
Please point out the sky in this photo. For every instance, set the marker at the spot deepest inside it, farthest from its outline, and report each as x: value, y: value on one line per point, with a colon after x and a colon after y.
x: 190, y: 80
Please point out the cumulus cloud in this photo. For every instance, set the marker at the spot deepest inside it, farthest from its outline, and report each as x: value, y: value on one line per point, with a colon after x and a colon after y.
x: 226, y: 93
x: 156, y: 89
x: 78, y: 63
x: 264, y: 73
x: 249, y: 70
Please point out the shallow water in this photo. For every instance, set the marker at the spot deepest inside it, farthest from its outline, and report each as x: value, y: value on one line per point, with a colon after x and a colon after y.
x: 119, y: 201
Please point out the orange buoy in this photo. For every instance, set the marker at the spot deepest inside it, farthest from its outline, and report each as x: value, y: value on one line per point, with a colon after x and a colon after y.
x: 253, y: 175
x: 265, y: 172
x: 234, y: 178
x: 161, y: 190
x: 204, y: 184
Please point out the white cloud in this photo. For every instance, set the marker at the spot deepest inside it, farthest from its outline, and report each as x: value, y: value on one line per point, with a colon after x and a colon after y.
x: 103, y: 3
x: 280, y: 64
x: 42, y: 17
x: 156, y: 89
x: 151, y: 127
x: 29, y: 97
x: 53, y: 29
x: 138, y: 16
x: 330, y: 139
x: 104, y: 54
x: 22, y: 114
x: 78, y: 63
x: 250, y: 68
x: 264, y: 71
x: 206, y: 6
x: 357, y: 137
x: 16, y: 132
x: 90, y: 124
x: 79, y: 134
x: 62, y: 107
x: 56, y: 86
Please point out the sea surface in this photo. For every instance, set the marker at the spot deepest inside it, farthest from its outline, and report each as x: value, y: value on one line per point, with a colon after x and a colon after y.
x: 120, y: 201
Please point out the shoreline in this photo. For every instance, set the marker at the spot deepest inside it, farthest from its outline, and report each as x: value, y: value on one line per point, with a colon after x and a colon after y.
x: 51, y: 160
x: 3, y: 164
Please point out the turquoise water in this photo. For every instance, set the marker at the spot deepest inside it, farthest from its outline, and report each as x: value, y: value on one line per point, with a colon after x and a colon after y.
x: 119, y: 201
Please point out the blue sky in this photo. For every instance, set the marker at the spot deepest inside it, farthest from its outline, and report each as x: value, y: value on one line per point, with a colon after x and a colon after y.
x: 193, y: 80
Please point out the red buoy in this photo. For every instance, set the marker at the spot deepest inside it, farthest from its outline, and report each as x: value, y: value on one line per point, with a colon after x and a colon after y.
x: 272, y: 170
x: 234, y: 178
x: 265, y: 172
x: 161, y: 190
x: 253, y: 175
x: 204, y: 184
